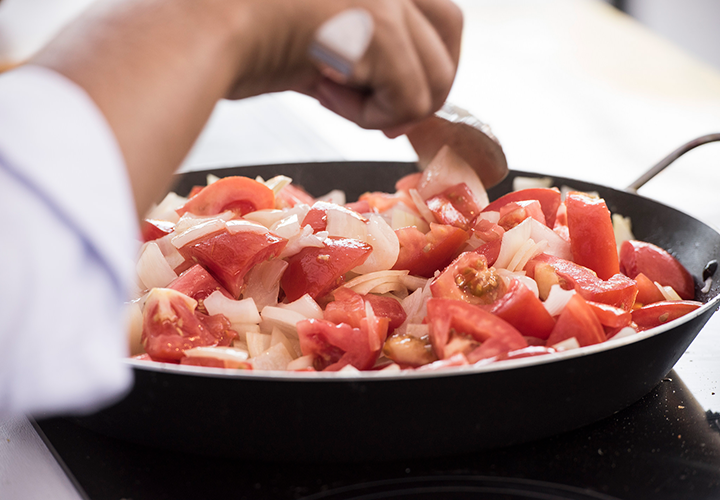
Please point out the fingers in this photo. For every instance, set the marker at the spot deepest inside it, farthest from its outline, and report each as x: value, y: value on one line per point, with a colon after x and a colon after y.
x: 407, y: 70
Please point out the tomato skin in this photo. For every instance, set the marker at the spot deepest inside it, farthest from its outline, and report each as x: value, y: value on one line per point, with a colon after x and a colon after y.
x: 523, y: 310
x: 317, y: 215
x: 490, y: 250
x: 658, y: 265
x: 292, y: 195
x: 549, y: 199
x: 229, y: 256
x: 446, y: 314
x: 335, y: 346
x: 619, y: 291
x: 171, y: 325
x: 423, y: 254
x: 240, y: 194
x: 408, y: 182
x: 577, y: 320
x: 197, y: 283
x: 387, y: 307
x: 317, y: 271
x: 469, y: 279
x: 515, y: 212
x: 659, y: 313
x: 152, y: 229
x: 610, y: 316
x: 592, y: 239
x: 348, y: 307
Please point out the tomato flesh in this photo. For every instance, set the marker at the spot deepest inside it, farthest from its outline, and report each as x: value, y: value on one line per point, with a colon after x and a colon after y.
x: 239, y: 194
x: 659, y: 313
x: 658, y: 265
x: 152, y: 229
x: 549, y: 199
x: 197, y: 283
x: 523, y: 310
x: 577, y: 320
x: 455, y: 206
x: 469, y: 279
x: 423, y: 254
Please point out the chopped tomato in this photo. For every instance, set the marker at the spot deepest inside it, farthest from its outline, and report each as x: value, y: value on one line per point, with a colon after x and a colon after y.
x: 152, y: 229
x: 423, y: 254
x: 469, y: 279
x: 549, y: 199
x: 408, y: 182
x: 618, y: 291
x: 197, y: 283
x: 523, y: 310
x: 380, y: 202
x: 317, y: 215
x: 648, y: 292
x: 658, y: 265
x: 456, y: 206
x: 489, y: 250
x: 448, y: 315
x: 229, y: 256
x: 335, y: 346
x: 361, y: 207
x: 610, y: 316
x: 387, y: 307
x: 515, y: 212
x: 171, y: 325
x: 292, y: 195
x: 487, y: 231
x: 592, y: 239
x: 239, y: 194
x: 348, y: 307
x: 577, y: 320
x: 659, y: 313
x: 317, y: 271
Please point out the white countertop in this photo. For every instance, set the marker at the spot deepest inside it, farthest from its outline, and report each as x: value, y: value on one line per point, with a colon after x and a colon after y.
x: 570, y: 87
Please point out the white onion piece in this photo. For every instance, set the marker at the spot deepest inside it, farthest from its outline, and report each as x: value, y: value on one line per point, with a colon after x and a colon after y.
x: 707, y: 285
x: 172, y: 256
x: 189, y: 220
x: 556, y: 245
x: 240, y: 226
x: 152, y: 268
x: 567, y: 344
x: 266, y: 217
x: 404, y: 218
x: 301, y: 363
x: 287, y: 227
x: 385, y: 244
x: 520, y: 182
x: 134, y: 322
x: 348, y: 370
x: 526, y: 252
x: 335, y: 196
x: 236, y: 311
x: 425, y: 212
x: 284, y: 319
x: 512, y: 241
x: 165, y: 210
x: 391, y: 368
x: 413, y: 282
x: 530, y: 283
x: 230, y: 354
x: 490, y: 216
x: 304, y: 238
x: 622, y: 227
x: 276, y: 357
x: 257, y: 343
x: 277, y: 183
x: 197, y: 231
x: 668, y: 292
x: 415, y: 306
x: 292, y: 345
x: 262, y: 283
x: 628, y: 331
x: 211, y: 179
x: 557, y: 299
x: 306, y: 306
x: 346, y: 224
x: 447, y: 169
x: 241, y: 329
x: 366, y: 283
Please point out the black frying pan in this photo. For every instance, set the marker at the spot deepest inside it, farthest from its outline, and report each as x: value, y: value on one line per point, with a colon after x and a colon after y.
x: 372, y: 416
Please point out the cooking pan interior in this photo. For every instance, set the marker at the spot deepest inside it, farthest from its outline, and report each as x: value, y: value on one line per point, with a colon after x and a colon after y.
x: 365, y: 418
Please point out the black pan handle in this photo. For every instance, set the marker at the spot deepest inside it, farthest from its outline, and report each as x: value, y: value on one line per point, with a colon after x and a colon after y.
x: 660, y: 166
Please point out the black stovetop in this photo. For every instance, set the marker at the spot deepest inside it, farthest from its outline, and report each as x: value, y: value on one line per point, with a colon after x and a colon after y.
x: 666, y: 446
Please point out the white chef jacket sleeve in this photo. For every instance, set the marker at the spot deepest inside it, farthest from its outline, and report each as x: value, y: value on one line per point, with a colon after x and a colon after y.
x: 68, y: 236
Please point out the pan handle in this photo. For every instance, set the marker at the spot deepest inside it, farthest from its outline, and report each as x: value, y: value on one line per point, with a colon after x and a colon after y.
x: 660, y: 166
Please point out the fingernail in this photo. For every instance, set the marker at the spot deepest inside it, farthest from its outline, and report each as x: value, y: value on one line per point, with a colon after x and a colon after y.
x: 342, y: 40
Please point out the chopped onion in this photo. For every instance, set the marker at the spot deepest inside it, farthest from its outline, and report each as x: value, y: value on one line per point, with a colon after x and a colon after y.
x: 304, y: 238
x: 526, y: 252
x: 668, y: 292
x: 282, y: 318
x: 520, y: 182
x: 385, y: 244
x: 269, y: 217
x: 557, y: 299
x: 287, y: 227
x: 306, y: 306
x: 236, y: 311
x: 197, y: 231
x: 556, y: 245
x: 231, y: 355
x: 189, y: 220
x: 242, y: 328
x: 276, y: 357
x: 277, y: 183
x: 425, y: 212
x: 628, y: 331
x: 512, y: 241
x: 567, y: 344
x: 706, y: 286
x: 211, y: 179
x: 366, y: 283
x: 392, y: 367
x: 405, y: 218
x: 448, y: 169
x: 165, y: 210
x: 152, y: 268
x: 622, y: 227
x: 413, y: 282
x: 418, y: 330
x: 335, y: 196
x: 239, y: 226
x: 346, y: 224
x: 530, y: 283
x: 301, y: 363
x: 348, y: 370
x: 291, y: 344
x: 262, y: 283
x: 172, y: 256
x: 257, y: 343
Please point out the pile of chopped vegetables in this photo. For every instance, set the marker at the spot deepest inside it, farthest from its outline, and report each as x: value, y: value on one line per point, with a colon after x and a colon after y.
x: 253, y: 274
